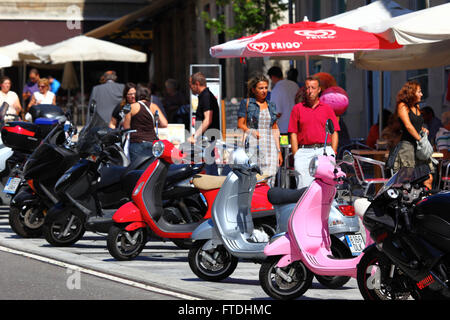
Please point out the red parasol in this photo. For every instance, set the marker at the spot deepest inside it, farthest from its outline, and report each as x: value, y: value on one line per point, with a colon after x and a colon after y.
x: 302, y: 38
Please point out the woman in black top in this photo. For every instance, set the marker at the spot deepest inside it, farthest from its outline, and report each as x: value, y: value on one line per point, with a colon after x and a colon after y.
x: 128, y: 97
x: 141, y: 118
x: 408, y: 111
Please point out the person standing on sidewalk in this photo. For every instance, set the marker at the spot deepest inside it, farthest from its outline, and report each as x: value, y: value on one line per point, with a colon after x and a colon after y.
x: 307, y: 131
x: 283, y: 96
x: 207, y: 117
x: 142, y: 119
x: 258, y: 114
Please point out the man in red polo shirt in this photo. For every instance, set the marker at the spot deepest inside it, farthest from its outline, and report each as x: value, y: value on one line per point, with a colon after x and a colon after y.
x: 307, y: 130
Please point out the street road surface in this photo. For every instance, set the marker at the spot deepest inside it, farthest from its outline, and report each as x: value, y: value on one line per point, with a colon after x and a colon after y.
x: 162, y: 270
x: 23, y: 278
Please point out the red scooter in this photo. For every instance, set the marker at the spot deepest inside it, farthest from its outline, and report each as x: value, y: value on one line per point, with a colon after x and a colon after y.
x: 128, y: 236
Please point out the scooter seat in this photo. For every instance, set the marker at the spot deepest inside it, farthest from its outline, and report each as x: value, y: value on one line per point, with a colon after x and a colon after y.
x: 208, y: 182
x: 279, y: 196
x: 180, y: 172
x: 110, y: 175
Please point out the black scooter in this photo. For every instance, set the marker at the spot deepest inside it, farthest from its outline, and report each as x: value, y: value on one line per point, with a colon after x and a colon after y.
x: 36, y: 195
x: 93, y: 189
x: 411, y: 230
x: 41, y: 171
x: 22, y: 138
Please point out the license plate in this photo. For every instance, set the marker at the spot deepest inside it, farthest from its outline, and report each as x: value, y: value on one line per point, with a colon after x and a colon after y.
x: 355, y: 243
x: 12, y: 185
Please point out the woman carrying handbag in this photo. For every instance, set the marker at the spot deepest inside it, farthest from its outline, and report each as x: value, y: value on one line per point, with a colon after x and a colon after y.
x: 413, y: 131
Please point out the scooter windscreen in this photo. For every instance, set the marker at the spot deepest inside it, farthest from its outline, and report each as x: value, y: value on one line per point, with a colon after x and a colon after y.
x: 406, y: 175
x: 88, y: 139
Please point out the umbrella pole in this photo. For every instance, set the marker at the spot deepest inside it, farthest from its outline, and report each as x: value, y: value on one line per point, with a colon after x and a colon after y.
x: 381, y: 97
x: 24, y: 81
x: 307, y: 65
x: 82, y: 93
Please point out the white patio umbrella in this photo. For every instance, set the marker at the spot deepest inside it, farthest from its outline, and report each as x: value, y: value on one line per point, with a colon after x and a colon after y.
x: 425, y: 35
x: 373, y: 13
x: 5, y: 61
x: 83, y: 48
x: 12, y: 50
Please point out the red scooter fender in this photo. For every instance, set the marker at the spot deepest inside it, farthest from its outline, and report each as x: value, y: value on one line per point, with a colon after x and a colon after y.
x: 129, y: 213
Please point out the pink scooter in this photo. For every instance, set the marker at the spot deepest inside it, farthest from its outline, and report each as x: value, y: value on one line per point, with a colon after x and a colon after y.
x: 305, y: 250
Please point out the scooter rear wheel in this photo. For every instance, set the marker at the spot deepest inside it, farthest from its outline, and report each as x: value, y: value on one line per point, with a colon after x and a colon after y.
x: 285, y: 283
x: 374, y: 280
x: 211, y: 265
x: 125, y: 245
x: 27, y: 221
x: 340, y: 251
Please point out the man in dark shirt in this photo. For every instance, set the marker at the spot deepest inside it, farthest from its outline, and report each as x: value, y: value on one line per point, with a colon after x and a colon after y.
x: 207, y: 117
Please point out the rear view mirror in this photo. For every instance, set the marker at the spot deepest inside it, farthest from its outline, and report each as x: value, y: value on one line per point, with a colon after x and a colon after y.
x: 92, y: 107
x: 329, y: 126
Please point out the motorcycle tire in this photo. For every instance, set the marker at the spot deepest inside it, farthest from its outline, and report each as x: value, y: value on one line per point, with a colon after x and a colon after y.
x: 278, y: 288
x: 31, y: 228
x: 211, y: 269
x: 125, y: 245
x: 64, y: 231
x: 373, y: 269
x: 340, y: 251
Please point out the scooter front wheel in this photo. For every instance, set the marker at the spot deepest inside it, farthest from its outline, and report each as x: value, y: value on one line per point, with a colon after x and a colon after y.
x: 285, y: 283
x: 211, y: 265
x: 64, y: 231
x: 376, y: 280
x: 125, y: 245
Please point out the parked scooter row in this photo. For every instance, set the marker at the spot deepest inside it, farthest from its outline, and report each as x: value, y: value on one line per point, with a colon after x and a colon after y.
x: 409, y: 226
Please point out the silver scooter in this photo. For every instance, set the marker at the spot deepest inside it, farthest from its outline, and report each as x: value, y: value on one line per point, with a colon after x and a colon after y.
x: 230, y: 235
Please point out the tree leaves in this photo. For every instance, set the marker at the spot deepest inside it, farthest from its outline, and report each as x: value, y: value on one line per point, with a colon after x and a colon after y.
x: 250, y: 16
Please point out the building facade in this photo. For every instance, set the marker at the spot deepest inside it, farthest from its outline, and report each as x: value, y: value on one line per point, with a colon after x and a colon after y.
x: 174, y: 36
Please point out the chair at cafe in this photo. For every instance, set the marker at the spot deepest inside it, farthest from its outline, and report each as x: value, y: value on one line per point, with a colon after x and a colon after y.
x: 363, y: 178
x: 445, y: 176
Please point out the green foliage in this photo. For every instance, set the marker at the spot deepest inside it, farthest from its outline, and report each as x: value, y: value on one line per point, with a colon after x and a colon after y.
x: 250, y: 16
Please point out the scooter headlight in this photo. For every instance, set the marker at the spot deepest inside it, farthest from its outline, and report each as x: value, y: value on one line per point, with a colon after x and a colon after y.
x: 313, y: 166
x: 158, y: 149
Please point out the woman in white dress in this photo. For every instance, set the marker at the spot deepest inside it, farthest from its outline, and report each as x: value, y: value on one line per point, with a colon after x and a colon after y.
x: 44, y: 95
x: 11, y: 98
